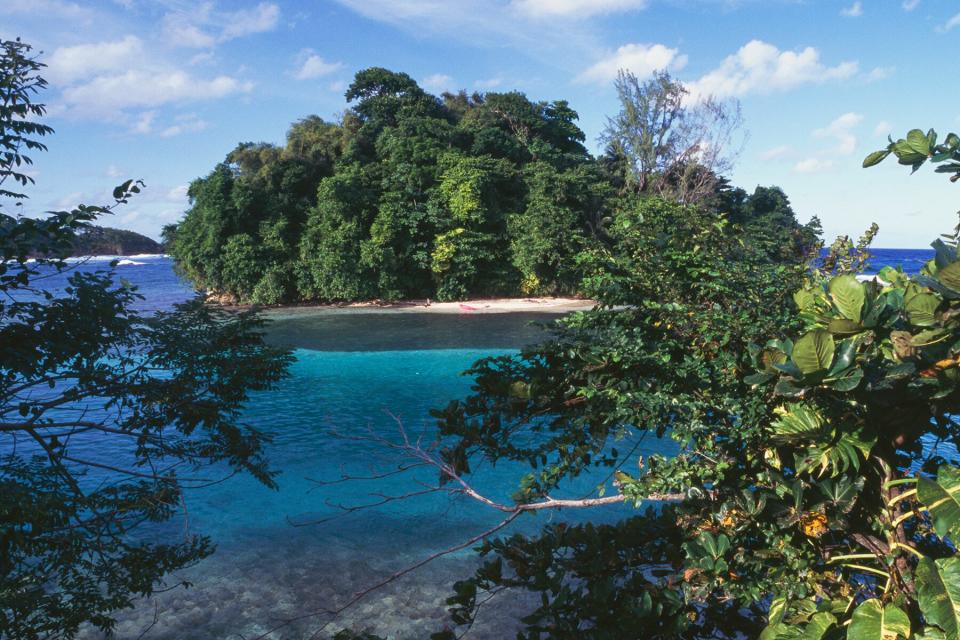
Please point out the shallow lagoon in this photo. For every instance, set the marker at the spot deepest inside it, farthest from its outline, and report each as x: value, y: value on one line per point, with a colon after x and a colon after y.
x: 353, y: 375
x: 266, y: 569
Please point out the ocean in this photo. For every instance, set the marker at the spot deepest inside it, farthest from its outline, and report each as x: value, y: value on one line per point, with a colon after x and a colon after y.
x: 298, y: 550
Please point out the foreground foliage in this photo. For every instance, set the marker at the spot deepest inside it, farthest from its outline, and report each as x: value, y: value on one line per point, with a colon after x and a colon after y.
x: 107, y: 415
x: 816, y: 475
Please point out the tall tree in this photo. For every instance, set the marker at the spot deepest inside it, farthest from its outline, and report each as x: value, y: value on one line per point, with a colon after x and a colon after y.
x: 159, y: 395
x: 667, y: 145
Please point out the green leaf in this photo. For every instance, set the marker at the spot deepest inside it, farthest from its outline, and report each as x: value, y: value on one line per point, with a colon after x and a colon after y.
x: 797, y: 422
x: 848, y: 381
x: 938, y: 591
x: 941, y: 497
x: 758, y: 378
x: 814, y: 351
x: 873, y: 621
x: 843, y: 327
x: 921, y: 309
x: 918, y: 141
x: 875, y: 158
x: 950, y: 275
x: 848, y: 295
x: 804, y: 298
x: 837, y: 455
x: 845, y: 356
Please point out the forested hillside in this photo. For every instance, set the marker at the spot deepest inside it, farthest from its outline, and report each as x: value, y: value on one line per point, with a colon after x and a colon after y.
x: 411, y: 196
x: 106, y: 241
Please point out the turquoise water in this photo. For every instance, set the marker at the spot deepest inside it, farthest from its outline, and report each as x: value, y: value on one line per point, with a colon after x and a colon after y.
x: 272, y: 564
x: 282, y: 554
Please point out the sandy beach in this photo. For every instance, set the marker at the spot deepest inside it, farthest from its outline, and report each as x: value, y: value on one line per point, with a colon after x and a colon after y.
x: 482, y: 306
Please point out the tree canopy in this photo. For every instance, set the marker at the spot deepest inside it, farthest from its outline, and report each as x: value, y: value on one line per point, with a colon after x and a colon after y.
x: 410, y: 195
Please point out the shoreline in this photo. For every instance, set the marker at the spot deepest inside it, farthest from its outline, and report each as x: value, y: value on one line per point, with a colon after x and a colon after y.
x: 465, y: 307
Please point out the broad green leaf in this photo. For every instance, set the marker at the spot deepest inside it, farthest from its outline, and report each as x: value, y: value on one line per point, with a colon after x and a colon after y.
x: 942, y: 499
x: 815, y: 629
x: 762, y: 377
x: 771, y: 357
x: 778, y: 607
x: 848, y: 295
x: 918, y: 141
x: 929, y: 633
x: 873, y: 621
x: 845, y: 356
x: 814, y: 351
x: 804, y: 298
x: 938, y: 591
x: 818, y: 626
x: 848, y: 380
x: 843, y: 327
x: 875, y: 158
x: 837, y: 455
x: 921, y: 308
x: 950, y: 275
x: 797, y: 422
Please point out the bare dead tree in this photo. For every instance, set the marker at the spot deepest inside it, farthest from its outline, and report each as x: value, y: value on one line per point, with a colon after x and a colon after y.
x: 668, y: 144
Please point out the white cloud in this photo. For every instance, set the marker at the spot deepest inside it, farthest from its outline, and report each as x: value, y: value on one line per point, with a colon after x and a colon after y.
x: 310, y: 65
x: 338, y: 86
x: 437, y: 83
x: 488, y: 83
x: 494, y: 23
x: 640, y: 59
x: 187, y: 123
x: 950, y: 24
x: 776, y: 152
x: 114, y: 172
x: 853, y: 11
x: 245, y: 22
x: 575, y: 8
x: 67, y: 64
x: 146, y: 88
x: 178, y: 193
x: 760, y: 67
x: 813, y: 165
x: 46, y: 8
x: 879, y: 73
x: 883, y: 129
x: 841, y: 131
x: 203, y: 26
x: 910, y: 5
x: 144, y: 123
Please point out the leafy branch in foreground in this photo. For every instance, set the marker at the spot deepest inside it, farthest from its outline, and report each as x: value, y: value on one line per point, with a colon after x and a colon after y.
x: 814, y: 416
x: 107, y: 415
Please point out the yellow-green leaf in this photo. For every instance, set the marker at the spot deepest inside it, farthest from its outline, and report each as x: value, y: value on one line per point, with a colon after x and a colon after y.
x: 942, y: 499
x: 848, y: 295
x: 950, y: 275
x: 938, y: 592
x: 873, y: 621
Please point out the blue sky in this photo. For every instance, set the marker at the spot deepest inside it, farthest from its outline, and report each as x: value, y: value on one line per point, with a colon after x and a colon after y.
x: 163, y: 89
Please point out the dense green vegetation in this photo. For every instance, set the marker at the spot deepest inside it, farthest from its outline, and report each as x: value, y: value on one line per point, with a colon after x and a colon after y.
x: 160, y: 393
x: 107, y: 241
x: 413, y: 196
x: 815, y: 490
